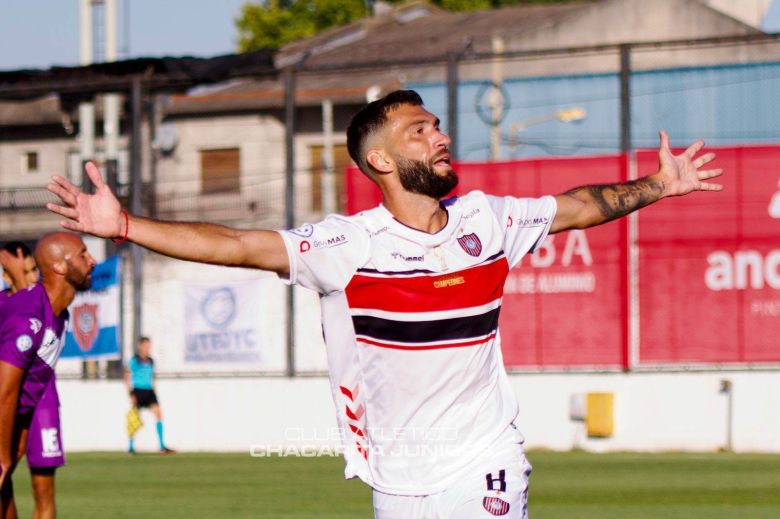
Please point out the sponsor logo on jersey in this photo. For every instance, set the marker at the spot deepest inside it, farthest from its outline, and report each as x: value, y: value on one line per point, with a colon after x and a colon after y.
x: 304, y: 231
x: 449, y: 282
x: 471, y: 244
x: 333, y: 241
x: 85, y: 331
x: 471, y: 213
x: 532, y: 222
x: 35, y: 325
x: 305, y: 246
x: 24, y: 343
x: 398, y: 255
x: 495, y: 505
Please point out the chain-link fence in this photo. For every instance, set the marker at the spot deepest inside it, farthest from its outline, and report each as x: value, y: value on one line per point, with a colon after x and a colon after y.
x: 240, y: 151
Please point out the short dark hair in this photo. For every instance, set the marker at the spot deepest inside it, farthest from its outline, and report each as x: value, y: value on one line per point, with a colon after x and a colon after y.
x: 12, y: 247
x: 144, y: 338
x: 372, y: 118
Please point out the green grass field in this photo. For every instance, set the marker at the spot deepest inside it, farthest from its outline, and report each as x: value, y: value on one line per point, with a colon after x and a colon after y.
x: 563, y: 485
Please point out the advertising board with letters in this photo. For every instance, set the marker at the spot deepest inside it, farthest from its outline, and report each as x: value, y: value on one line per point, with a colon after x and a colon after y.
x: 707, y: 271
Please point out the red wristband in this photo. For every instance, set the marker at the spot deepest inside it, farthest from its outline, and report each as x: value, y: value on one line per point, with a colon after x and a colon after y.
x: 127, y: 227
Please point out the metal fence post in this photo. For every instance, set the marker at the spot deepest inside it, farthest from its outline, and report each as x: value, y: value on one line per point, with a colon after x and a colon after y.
x: 289, y: 201
x: 135, y: 204
x: 452, y: 103
x: 625, y: 98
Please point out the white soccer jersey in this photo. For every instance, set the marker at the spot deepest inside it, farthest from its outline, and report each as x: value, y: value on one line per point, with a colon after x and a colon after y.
x: 410, y: 320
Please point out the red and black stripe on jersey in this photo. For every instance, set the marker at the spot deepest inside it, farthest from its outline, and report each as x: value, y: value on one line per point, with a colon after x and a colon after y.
x: 421, y: 309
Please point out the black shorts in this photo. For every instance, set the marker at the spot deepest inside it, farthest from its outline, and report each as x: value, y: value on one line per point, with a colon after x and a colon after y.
x: 144, y: 397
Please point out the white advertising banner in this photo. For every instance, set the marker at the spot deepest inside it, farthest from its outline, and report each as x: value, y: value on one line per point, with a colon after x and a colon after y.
x: 223, y: 324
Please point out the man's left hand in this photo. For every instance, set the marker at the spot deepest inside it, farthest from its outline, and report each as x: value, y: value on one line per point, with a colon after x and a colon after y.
x: 682, y: 174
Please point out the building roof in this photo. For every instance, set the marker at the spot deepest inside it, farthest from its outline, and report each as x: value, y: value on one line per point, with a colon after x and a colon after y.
x: 311, y: 89
x: 415, y: 32
x: 26, y: 96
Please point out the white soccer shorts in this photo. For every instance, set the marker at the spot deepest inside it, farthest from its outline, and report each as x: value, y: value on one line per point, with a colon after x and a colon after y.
x: 496, y: 487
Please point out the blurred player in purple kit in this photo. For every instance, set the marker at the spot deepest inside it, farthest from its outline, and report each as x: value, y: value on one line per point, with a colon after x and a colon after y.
x: 20, y: 271
x: 32, y: 327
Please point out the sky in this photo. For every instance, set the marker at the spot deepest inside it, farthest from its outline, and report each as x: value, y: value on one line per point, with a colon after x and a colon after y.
x: 43, y: 33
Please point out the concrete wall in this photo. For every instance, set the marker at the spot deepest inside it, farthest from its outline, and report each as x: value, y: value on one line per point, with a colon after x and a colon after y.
x: 653, y: 412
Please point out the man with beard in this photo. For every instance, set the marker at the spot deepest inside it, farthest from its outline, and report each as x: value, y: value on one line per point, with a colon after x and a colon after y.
x: 410, y: 295
x: 32, y: 328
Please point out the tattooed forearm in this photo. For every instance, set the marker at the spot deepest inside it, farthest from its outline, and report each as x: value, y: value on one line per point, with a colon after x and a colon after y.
x: 616, y: 200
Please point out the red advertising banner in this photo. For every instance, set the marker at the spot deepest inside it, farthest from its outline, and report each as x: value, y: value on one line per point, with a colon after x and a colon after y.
x: 709, y: 268
x: 565, y: 306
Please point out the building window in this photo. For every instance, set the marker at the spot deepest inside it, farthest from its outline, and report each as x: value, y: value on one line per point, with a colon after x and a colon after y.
x: 340, y: 161
x: 30, y: 162
x: 220, y: 170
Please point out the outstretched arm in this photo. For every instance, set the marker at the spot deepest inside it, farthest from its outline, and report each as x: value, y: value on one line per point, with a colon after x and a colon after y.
x: 101, y: 215
x: 677, y: 175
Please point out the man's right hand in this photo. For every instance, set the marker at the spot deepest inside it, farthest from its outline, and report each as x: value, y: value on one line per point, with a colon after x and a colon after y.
x: 98, y: 214
x: 101, y: 215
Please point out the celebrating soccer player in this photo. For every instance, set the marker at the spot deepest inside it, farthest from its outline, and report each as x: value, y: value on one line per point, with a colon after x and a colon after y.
x: 410, y: 297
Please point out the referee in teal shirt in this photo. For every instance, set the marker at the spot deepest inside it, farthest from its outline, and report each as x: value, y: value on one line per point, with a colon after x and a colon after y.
x: 139, y: 377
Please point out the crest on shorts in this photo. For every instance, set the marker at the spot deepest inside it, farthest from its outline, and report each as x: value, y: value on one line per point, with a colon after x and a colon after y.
x: 471, y: 244
x: 85, y: 325
x: 495, y: 505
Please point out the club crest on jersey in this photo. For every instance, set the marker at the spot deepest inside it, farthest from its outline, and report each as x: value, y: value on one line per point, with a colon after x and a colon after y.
x: 85, y: 328
x: 24, y: 343
x: 495, y: 505
x: 471, y: 244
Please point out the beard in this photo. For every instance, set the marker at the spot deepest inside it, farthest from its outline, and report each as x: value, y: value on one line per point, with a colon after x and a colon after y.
x: 81, y: 283
x: 85, y: 285
x: 418, y: 177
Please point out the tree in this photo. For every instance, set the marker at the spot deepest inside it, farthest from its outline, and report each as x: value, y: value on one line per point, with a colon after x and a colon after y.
x: 277, y: 22
x: 273, y: 23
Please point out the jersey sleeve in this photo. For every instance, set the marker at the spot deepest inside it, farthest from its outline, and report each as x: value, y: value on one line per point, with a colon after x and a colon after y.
x: 19, y: 340
x: 324, y: 256
x: 527, y: 222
